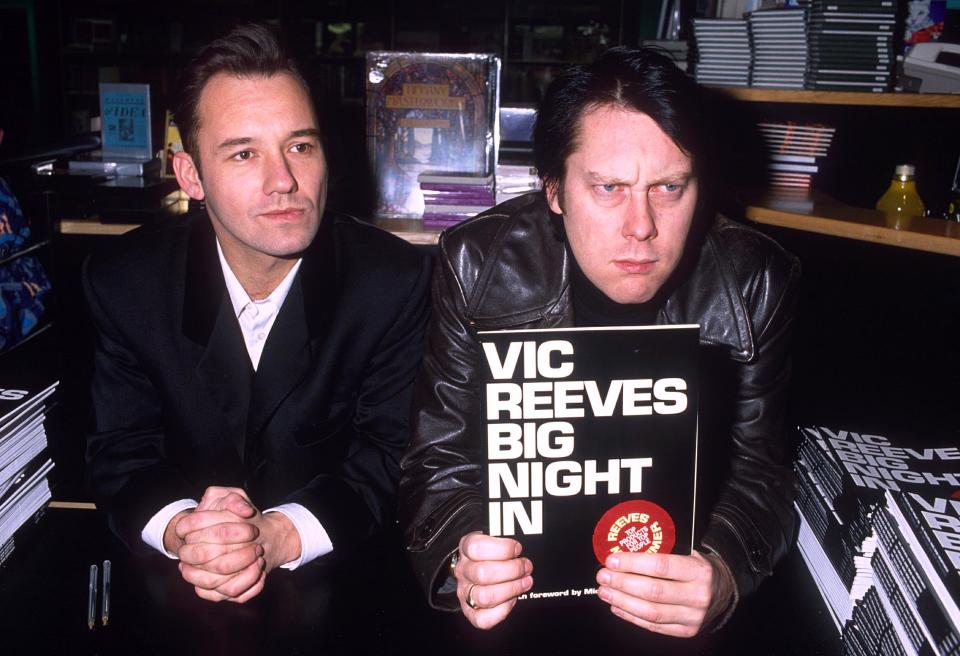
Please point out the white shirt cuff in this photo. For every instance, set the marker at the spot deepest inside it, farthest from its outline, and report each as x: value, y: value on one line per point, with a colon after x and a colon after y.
x: 314, y: 541
x: 152, y: 533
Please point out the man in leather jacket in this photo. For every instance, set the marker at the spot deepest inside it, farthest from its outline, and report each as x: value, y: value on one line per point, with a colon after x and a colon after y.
x: 620, y: 236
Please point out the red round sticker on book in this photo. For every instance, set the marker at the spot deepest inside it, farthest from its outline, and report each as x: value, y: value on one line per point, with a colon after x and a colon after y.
x: 634, y: 526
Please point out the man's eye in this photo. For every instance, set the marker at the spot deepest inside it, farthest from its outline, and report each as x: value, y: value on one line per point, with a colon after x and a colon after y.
x: 608, y: 188
x: 302, y: 147
x: 672, y: 187
x: 243, y: 155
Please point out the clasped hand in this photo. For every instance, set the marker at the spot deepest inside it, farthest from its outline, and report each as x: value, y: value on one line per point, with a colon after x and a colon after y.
x: 226, y: 546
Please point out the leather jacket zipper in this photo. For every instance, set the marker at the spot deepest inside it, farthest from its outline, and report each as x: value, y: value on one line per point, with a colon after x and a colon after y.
x: 753, y: 551
x: 436, y: 521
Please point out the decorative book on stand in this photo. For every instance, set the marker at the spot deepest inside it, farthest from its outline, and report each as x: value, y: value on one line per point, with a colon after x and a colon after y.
x: 434, y: 113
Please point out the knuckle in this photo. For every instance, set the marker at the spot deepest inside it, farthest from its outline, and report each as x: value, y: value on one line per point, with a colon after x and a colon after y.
x: 655, y: 591
x: 481, y: 572
x: 648, y: 612
x: 222, y: 566
x: 520, y: 568
x: 481, y: 596
x: 485, y: 620
x: 661, y: 567
x: 200, y: 553
x: 232, y: 588
x: 702, y: 598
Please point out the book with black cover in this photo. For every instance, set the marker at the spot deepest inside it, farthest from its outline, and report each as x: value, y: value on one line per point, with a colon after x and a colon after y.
x: 589, y: 439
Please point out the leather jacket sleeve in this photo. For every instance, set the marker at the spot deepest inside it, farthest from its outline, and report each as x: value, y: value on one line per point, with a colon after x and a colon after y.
x: 743, y: 296
x: 752, y: 523
x: 440, y: 486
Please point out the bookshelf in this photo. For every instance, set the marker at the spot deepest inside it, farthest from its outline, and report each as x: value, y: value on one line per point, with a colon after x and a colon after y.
x: 826, y: 216
x: 859, y: 99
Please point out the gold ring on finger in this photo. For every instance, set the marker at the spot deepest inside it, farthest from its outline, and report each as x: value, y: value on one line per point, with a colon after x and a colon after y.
x: 470, y: 601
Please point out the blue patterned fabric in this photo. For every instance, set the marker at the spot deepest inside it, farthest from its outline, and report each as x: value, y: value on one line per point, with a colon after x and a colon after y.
x: 14, y: 229
x: 23, y: 287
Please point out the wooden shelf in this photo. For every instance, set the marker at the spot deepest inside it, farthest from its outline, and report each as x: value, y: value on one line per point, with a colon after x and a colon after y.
x: 813, y: 213
x: 821, y: 214
x: 929, y: 100
x: 92, y: 227
x: 410, y: 230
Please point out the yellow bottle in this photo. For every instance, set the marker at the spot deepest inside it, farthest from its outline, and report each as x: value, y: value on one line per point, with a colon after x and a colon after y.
x: 901, y: 198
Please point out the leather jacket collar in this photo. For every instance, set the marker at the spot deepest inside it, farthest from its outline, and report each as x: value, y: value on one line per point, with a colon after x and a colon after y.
x: 522, y: 276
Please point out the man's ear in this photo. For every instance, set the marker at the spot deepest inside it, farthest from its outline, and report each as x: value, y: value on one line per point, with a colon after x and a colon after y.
x: 553, y: 191
x: 187, y: 175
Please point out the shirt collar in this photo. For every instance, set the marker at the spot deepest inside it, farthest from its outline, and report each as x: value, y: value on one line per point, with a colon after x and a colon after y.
x: 239, y: 298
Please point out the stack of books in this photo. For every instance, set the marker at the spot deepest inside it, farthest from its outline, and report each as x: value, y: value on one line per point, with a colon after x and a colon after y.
x: 851, y: 45
x: 880, y: 533
x: 450, y: 198
x: 24, y: 463
x: 795, y: 151
x: 779, y: 39
x: 722, y: 48
x: 515, y: 180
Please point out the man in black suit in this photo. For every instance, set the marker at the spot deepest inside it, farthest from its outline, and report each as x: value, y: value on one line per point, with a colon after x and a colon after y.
x: 253, y: 367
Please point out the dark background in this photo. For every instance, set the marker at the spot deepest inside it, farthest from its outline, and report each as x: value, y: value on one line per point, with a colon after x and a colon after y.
x: 876, y: 339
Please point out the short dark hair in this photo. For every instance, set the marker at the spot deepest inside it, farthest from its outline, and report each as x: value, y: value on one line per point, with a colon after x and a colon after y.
x: 637, y: 79
x: 249, y: 50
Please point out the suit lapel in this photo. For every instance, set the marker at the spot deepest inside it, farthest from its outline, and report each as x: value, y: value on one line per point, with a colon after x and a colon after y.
x: 285, y: 361
x: 296, y: 339
x: 223, y: 367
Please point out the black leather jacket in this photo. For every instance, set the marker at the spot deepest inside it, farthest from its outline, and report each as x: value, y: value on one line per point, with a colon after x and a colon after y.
x: 509, y: 268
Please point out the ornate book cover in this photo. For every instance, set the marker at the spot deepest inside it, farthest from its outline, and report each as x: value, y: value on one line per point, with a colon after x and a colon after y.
x: 589, y: 439
x: 428, y: 112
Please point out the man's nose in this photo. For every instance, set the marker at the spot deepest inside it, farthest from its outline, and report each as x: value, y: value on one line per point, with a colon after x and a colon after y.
x: 278, y: 177
x: 639, y: 221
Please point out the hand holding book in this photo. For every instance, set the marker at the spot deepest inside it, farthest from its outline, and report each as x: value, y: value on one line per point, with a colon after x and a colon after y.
x: 490, y: 575
x: 666, y: 593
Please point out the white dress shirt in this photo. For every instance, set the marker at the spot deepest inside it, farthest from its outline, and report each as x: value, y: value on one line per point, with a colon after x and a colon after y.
x: 256, y: 319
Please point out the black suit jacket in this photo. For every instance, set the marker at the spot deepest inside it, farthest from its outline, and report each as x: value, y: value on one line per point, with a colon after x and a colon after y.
x: 177, y: 405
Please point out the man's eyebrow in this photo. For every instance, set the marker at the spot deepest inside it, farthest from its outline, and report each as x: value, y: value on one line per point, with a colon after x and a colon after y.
x: 306, y: 132
x: 244, y: 141
x: 678, y: 174
x: 596, y: 176
x: 237, y: 141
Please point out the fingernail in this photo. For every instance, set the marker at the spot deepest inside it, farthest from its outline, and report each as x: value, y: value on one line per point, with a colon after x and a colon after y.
x: 604, y: 593
x: 603, y: 577
x: 613, y: 562
x: 527, y: 582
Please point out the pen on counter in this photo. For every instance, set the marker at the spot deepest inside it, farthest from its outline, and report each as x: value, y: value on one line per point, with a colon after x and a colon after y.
x: 105, y: 614
x: 92, y: 598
